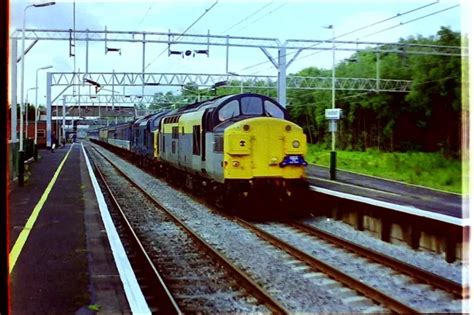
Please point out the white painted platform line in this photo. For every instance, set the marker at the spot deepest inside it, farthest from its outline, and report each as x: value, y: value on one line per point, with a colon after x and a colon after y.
x: 393, y: 206
x: 133, y: 292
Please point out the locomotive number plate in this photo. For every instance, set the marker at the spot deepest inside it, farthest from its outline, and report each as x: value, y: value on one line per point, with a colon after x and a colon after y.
x: 293, y: 160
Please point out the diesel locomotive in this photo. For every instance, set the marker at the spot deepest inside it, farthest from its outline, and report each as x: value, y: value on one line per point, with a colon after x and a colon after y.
x: 241, y: 149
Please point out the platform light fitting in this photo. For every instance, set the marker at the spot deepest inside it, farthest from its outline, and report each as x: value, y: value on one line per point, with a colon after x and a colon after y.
x: 47, y: 4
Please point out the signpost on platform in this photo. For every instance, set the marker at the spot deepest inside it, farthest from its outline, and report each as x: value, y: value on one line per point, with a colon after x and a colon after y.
x: 333, y: 115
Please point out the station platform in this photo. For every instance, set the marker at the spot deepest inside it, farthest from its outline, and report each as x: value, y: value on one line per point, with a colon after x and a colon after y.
x: 60, y: 257
x: 395, y: 192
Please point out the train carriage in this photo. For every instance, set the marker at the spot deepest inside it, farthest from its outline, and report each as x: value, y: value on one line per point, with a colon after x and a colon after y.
x: 144, y: 131
x: 120, y: 135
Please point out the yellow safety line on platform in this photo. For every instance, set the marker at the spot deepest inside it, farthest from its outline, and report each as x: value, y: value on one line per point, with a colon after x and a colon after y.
x: 25, y: 232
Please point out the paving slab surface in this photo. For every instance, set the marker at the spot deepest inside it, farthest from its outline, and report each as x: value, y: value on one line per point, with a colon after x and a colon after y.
x: 66, y: 265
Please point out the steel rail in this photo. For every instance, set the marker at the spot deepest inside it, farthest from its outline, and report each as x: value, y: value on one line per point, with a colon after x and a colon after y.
x: 167, y: 303
x: 344, y: 278
x: 251, y: 286
x: 425, y: 276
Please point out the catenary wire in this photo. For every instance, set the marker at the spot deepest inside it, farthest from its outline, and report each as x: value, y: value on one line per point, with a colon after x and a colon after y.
x: 146, y: 14
x: 398, y: 25
x: 361, y: 28
x: 388, y: 19
x: 258, y: 19
x: 247, y: 17
x: 410, y: 21
x: 183, y: 33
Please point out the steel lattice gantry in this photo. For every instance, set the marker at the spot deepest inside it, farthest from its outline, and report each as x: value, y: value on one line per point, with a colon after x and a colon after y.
x: 127, y: 99
x: 208, y: 80
x: 234, y: 41
x: 172, y: 39
x: 63, y: 79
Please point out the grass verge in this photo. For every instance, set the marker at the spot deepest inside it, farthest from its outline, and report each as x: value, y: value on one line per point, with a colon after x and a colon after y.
x: 419, y: 168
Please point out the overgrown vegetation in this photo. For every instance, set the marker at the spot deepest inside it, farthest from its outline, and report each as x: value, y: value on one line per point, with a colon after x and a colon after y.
x: 430, y: 169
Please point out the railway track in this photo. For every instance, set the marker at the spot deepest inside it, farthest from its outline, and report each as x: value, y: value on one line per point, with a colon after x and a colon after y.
x: 147, y: 275
x: 356, y: 292
x: 277, y: 237
x: 318, y: 265
x: 422, y: 275
x: 180, y: 284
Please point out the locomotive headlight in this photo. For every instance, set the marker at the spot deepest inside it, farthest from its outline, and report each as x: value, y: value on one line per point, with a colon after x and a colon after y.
x: 235, y: 163
x: 296, y: 144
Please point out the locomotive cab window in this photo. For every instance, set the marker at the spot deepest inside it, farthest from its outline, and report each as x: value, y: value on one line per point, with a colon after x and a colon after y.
x: 251, y: 106
x: 229, y: 110
x: 272, y: 110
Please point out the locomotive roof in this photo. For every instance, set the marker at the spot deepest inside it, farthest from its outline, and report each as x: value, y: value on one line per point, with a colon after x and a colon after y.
x: 197, y: 105
x: 144, y: 120
x: 215, y: 102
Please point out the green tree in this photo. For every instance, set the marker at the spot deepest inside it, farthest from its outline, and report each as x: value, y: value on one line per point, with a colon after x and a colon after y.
x: 427, y: 118
x: 436, y: 95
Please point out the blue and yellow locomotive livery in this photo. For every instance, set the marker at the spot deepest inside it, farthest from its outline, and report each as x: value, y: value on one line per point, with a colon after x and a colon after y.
x: 235, y: 147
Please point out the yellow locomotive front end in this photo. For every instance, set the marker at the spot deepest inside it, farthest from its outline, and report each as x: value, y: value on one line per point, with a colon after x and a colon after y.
x: 264, y: 147
x: 264, y: 166
x: 241, y: 150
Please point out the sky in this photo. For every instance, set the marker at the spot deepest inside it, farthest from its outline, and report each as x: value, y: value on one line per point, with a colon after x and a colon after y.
x: 275, y: 19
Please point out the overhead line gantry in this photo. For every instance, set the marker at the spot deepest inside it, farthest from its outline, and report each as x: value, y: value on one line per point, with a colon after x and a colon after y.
x: 207, y: 40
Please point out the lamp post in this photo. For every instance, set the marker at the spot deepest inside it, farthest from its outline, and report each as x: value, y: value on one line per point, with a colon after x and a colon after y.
x: 332, y: 169
x: 35, y: 148
x: 21, y: 169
